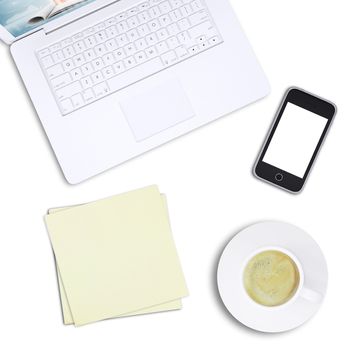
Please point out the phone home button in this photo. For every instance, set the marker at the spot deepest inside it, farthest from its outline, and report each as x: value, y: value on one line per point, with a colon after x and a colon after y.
x: 279, y: 177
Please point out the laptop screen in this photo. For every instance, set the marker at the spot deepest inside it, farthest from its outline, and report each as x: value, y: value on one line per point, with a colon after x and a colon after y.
x: 21, y: 16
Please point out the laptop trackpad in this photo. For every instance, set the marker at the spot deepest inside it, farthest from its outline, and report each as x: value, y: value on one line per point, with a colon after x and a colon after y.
x: 157, y: 109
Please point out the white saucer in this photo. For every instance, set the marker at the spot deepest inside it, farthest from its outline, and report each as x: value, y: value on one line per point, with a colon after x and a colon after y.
x: 244, y: 244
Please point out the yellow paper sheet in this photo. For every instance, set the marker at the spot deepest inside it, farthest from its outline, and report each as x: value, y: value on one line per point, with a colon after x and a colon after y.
x: 116, y: 256
x: 67, y: 314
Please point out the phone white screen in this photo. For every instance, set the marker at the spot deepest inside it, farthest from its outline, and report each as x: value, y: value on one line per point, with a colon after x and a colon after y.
x: 295, y: 140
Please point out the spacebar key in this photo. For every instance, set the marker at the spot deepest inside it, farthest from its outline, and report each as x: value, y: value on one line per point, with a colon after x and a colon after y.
x: 135, y: 74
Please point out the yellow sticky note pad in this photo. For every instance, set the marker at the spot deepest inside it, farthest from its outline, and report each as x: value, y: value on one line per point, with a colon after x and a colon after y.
x: 116, y: 256
x: 67, y: 314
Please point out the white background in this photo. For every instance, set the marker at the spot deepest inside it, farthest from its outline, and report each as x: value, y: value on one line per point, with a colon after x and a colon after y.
x: 295, y: 140
x: 212, y: 194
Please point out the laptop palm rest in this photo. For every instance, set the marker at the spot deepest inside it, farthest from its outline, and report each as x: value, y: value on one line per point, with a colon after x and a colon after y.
x: 157, y: 109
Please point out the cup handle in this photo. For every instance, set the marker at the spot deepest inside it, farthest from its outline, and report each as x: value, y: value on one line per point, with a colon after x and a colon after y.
x: 311, y: 295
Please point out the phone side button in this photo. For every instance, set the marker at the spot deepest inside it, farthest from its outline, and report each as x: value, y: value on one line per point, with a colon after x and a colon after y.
x: 279, y: 177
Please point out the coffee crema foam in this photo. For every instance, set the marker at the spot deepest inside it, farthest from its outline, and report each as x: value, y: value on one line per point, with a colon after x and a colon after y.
x: 271, y: 278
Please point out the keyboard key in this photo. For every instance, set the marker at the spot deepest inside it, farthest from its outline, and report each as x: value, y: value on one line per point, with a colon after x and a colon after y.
x: 43, y: 53
x: 162, y: 34
x: 87, y: 69
x: 172, y: 42
x: 111, y: 31
x: 175, y: 15
x: 76, y: 74
x: 101, y: 37
x: 78, y: 101
x: 144, y: 6
x: 55, y: 71
x: 186, y: 10
x: 133, y: 22
x: 79, y: 60
x: 68, y: 65
x: 154, y: 25
x: 203, y: 45
x: 151, y: 39
x: 143, y: 30
x: 61, y: 81
x: 79, y: 47
x: 164, y: 20
x: 110, y: 21
x: 181, y: 52
x: 89, y: 31
x: 162, y: 47
x: 47, y: 61
x: 205, y: 28
x: 194, y: 49
x: 100, y: 50
x: 58, y: 56
x: 143, y: 17
x: 129, y: 62
x: 173, y: 29
x: 197, y: 5
x: 111, y: 45
x: 151, y: 52
x: 198, y: 17
x: 183, y: 24
x: 214, y: 40
x: 68, y: 52
x: 132, y: 35
x: 169, y: 58
x: 140, y: 57
x: 121, y: 16
x: 108, y: 72
x: 201, y: 39
x: 87, y: 82
x: 108, y: 59
x: 90, y: 42
x: 175, y: 3
x: 97, y: 64
x: 184, y: 38
x: 88, y: 95
x: 97, y: 77
x: 89, y: 55
x: 78, y: 36
x: 68, y: 91
x: 122, y: 40
x: 119, y: 67
x: 119, y: 54
x: 100, y: 26
x: 122, y: 27
x: 130, y: 49
x: 154, y: 12
x: 55, y: 47
x: 140, y: 44
x: 101, y: 90
x: 133, y: 11
x: 165, y: 7
x: 67, y: 106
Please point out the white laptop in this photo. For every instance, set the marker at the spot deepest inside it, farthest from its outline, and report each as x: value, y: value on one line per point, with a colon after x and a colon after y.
x: 113, y: 79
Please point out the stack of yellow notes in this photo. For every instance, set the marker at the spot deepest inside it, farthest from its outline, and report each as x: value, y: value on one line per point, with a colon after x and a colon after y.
x: 116, y: 257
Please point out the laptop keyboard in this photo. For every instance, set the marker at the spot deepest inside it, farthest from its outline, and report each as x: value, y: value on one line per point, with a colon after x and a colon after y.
x: 125, y: 48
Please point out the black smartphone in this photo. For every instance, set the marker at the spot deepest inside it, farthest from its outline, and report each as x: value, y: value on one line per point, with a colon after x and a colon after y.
x: 296, y: 136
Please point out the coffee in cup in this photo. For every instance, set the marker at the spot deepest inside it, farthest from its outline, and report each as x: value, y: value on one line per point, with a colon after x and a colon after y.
x: 271, y: 278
